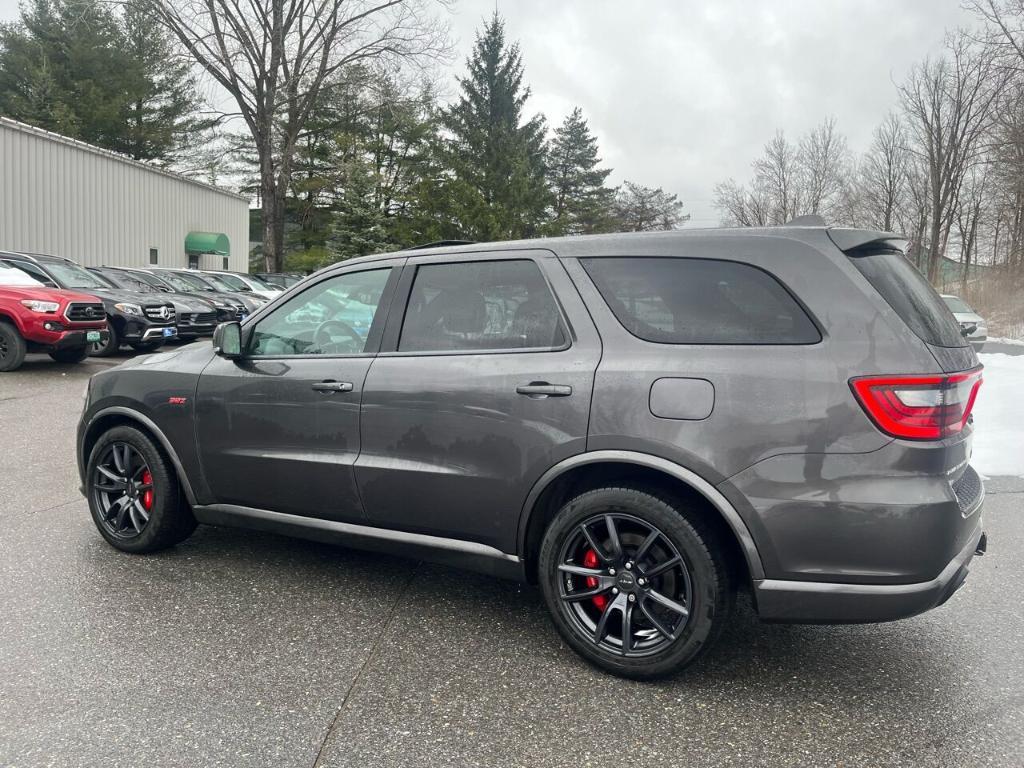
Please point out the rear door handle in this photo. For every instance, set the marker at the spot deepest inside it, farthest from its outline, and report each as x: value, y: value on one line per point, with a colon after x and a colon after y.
x: 333, y: 386
x: 539, y: 389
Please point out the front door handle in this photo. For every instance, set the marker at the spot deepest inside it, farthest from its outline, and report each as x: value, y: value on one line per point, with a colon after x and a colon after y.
x: 539, y: 389
x: 333, y: 386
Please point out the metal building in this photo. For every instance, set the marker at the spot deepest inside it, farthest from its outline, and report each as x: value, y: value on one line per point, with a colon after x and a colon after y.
x: 67, y: 198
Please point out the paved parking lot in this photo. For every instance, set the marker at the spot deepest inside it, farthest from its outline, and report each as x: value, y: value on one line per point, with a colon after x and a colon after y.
x: 245, y: 649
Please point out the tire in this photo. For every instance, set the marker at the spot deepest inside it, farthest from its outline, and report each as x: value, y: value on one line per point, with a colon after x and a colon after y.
x: 108, y: 347
x: 170, y: 519
x: 146, y: 346
x: 12, y: 348
x: 663, y: 640
x: 71, y: 354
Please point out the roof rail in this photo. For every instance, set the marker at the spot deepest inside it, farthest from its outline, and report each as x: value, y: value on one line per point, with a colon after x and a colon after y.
x: 439, y: 244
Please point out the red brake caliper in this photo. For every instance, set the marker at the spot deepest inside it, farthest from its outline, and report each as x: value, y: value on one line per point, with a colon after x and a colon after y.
x: 147, y: 495
x: 590, y: 561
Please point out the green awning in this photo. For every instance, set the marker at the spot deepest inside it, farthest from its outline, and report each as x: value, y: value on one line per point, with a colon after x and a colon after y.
x: 207, y: 242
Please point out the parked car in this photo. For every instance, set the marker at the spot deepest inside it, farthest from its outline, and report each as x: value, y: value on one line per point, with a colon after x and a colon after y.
x: 240, y: 281
x: 34, y: 318
x: 227, y: 306
x: 971, y: 322
x: 185, y: 279
x: 281, y: 279
x: 193, y: 317
x: 642, y: 424
x: 142, y: 321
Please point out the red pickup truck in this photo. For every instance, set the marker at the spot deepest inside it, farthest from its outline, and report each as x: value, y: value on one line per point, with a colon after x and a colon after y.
x: 38, y: 319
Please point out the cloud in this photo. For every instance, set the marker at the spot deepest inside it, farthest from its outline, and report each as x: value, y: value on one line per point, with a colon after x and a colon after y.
x: 683, y: 95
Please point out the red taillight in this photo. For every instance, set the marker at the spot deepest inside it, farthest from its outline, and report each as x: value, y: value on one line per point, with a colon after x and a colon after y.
x: 919, y: 407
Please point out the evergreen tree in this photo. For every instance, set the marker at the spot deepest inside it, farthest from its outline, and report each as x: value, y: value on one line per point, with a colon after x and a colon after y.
x: 162, y: 112
x: 497, y: 160
x: 77, y: 68
x: 582, y: 203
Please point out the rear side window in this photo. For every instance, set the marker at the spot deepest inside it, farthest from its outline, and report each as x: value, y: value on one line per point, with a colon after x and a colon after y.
x: 700, y: 301
x: 910, y: 295
x: 481, y: 305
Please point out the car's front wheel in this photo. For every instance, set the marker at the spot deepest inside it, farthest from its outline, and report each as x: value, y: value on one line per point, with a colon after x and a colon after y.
x: 108, y: 346
x: 635, y: 584
x: 12, y: 348
x: 134, y: 494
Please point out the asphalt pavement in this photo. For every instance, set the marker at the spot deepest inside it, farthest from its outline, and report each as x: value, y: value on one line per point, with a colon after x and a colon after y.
x: 246, y: 649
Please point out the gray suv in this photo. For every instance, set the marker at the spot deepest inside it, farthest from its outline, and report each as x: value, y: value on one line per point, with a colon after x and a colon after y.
x: 642, y: 424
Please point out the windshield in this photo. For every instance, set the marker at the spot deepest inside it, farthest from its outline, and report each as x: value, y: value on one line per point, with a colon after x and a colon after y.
x: 260, y: 283
x: 911, y: 296
x: 227, y: 282
x: 128, y: 282
x: 73, y: 276
x: 152, y: 280
x: 218, y: 281
x: 13, y: 276
x: 956, y: 304
x: 186, y: 282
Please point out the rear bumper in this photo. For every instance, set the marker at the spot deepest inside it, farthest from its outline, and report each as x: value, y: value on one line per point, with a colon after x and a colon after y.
x: 816, y: 602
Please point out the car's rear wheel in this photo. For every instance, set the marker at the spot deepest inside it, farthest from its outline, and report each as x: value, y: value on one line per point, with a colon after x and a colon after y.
x: 105, y: 348
x: 70, y: 355
x: 134, y: 494
x: 635, y: 584
x: 12, y: 348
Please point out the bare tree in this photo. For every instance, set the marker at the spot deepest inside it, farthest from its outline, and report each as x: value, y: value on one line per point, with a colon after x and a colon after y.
x: 741, y: 208
x: 777, y: 177
x: 883, y: 174
x: 824, y: 163
x: 948, y: 104
x: 274, y: 56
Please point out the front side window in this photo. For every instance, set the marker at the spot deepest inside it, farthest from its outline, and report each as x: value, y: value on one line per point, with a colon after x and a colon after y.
x: 333, y: 317
x: 482, y: 305
x: 699, y: 301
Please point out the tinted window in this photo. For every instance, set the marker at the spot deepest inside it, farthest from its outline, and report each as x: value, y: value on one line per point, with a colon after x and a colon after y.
x: 910, y: 295
x: 331, y: 318
x: 700, y: 301
x: 480, y: 305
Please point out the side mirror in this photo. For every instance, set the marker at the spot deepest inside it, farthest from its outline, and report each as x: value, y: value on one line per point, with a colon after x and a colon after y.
x: 966, y: 329
x: 227, y: 340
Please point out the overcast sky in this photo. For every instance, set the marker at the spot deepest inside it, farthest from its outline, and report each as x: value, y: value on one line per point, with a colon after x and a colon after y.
x: 684, y: 94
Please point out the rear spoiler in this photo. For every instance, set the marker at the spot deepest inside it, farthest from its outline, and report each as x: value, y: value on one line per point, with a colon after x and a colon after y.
x: 848, y: 240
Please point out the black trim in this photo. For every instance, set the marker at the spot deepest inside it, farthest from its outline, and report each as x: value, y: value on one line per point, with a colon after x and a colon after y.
x: 455, y: 552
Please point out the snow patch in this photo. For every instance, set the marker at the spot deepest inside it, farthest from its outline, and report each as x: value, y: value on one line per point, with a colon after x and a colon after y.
x: 999, y: 340
x: 999, y: 416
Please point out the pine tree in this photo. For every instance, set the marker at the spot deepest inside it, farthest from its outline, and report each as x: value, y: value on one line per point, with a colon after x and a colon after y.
x: 77, y: 68
x: 162, y: 116
x: 582, y: 203
x: 497, y: 160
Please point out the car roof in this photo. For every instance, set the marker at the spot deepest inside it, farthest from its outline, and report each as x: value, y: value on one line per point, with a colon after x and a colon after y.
x: 625, y: 244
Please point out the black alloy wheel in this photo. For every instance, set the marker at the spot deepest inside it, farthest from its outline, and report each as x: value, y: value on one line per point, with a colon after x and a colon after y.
x: 122, y: 489
x: 134, y: 493
x: 624, y: 584
x: 635, y: 583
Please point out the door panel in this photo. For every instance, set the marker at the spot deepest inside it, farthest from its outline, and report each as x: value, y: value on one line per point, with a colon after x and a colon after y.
x: 449, y: 446
x: 278, y: 429
x: 269, y: 440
